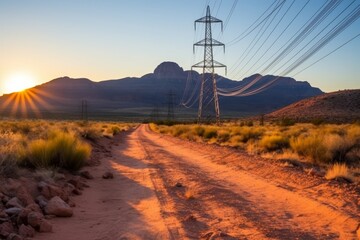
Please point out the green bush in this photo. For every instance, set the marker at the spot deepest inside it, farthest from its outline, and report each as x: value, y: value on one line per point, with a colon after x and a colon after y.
x: 62, y: 150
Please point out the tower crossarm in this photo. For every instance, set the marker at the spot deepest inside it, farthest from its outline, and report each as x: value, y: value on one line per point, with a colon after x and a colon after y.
x: 205, y: 42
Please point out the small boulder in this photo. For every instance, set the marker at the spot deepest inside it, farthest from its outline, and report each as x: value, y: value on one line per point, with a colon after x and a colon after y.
x: 5, y: 229
x: 45, y: 226
x: 26, y: 231
x: 86, y: 175
x: 34, y: 219
x: 56, y: 206
x: 14, y: 236
x: 14, y: 202
x: 13, y: 211
x: 22, y: 218
x: 34, y: 208
x: 108, y: 175
x: 178, y: 184
x: 41, y: 201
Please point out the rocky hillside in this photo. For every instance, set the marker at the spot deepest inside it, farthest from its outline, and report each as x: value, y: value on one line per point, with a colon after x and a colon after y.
x: 340, y: 106
x: 137, y: 97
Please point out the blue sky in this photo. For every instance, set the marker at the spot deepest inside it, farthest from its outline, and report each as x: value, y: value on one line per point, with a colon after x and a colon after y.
x: 107, y: 39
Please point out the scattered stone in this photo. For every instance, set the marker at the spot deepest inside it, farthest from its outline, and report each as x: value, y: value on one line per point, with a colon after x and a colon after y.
x: 13, y: 211
x: 3, y: 214
x: 86, y: 175
x: 178, y: 184
x: 76, y: 181
x: 56, y: 206
x: 45, y: 226
x: 108, y: 175
x: 190, y: 218
x: 41, y: 201
x: 34, y: 208
x: 71, y: 203
x: 22, y: 218
x: 50, y: 191
x: 207, y: 235
x: 76, y: 191
x: 59, y: 176
x: 14, y: 202
x: 68, y: 187
x: 34, y: 219
x: 16, y: 189
x: 14, y: 236
x: 5, y: 229
x: 26, y: 231
x: 50, y: 216
x: 2, y: 220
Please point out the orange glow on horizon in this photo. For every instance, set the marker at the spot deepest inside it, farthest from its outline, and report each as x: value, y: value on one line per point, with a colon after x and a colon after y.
x: 25, y: 102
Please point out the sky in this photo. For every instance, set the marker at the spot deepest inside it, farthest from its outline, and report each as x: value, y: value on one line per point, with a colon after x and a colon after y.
x: 112, y: 39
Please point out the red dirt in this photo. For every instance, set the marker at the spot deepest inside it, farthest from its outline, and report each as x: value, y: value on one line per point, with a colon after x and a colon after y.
x: 234, y: 196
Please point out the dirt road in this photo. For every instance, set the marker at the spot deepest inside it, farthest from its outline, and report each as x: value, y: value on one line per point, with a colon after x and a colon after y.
x: 166, y: 188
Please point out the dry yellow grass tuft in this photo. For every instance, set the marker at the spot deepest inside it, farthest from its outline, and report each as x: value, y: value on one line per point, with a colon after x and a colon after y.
x: 339, y: 170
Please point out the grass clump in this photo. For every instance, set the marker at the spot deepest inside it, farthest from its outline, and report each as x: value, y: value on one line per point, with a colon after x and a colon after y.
x: 274, y: 142
x: 61, y: 150
x: 339, y: 170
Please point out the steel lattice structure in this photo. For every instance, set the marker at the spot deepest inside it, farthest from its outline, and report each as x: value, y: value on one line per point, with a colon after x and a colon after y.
x: 208, y: 90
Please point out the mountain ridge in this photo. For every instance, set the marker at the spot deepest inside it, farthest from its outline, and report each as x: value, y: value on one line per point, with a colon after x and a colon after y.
x: 151, y: 90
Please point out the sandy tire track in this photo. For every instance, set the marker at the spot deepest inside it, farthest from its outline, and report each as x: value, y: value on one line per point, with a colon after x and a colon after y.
x: 241, y: 204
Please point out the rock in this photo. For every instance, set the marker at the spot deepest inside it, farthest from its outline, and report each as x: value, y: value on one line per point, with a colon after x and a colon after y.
x: 2, y: 220
x: 22, y: 218
x: 14, y: 202
x: 76, y: 191
x: 86, y: 175
x: 69, y: 188
x: 59, y: 176
x: 14, y: 236
x: 76, y: 181
x: 50, y: 191
x: 13, y: 211
x: 178, y: 184
x: 3, y: 214
x: 56, y: 206
x: 16, y: 189
x: 34, y: 208
x: 34, y: 219
x: 108, y: 175
x: 41, y: 201
x: 45, y: 226
x: 71, y: 203
x: 26, y: 231
x: 5, y: 229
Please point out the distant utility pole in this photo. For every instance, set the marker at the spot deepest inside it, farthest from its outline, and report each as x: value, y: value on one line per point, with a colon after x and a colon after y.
x: 208, y: 91
x: 84, y: 110
x: 155, y: 114
x: 170, y: 105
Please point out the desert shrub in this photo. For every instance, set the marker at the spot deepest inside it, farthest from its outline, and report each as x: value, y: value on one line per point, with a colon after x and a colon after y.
x: 223, y: 136
x: 91, y: 133
x: 115, y: 130
x: 248, y: 133
x: 62, y: 150
x: 286, y: 122
x: 199, y: 131
x: 337, y: 147
x: 309, y: 146
x: 179, y: 130
x: 317, y: 121
x: 210, y: 132
x: 339, y: 170
x: 274, y: 142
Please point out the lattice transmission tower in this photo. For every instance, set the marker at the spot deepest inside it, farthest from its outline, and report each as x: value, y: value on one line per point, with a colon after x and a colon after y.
x: 208, y: 96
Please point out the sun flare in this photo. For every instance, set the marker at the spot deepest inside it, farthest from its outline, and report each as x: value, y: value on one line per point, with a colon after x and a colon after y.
x: 18, y: 82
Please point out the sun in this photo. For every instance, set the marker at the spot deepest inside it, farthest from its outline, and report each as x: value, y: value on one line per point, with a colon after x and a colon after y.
x: 18, y: 82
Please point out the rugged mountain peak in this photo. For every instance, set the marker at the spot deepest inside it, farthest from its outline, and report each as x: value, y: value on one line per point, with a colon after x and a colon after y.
x: 169, y: 70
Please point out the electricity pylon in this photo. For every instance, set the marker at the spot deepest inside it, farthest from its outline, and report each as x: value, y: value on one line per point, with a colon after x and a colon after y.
x: 170, y: 106
x: 208, y: 89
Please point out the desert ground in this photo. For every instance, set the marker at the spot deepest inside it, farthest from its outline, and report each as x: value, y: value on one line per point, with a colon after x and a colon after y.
x: 168, y: 188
